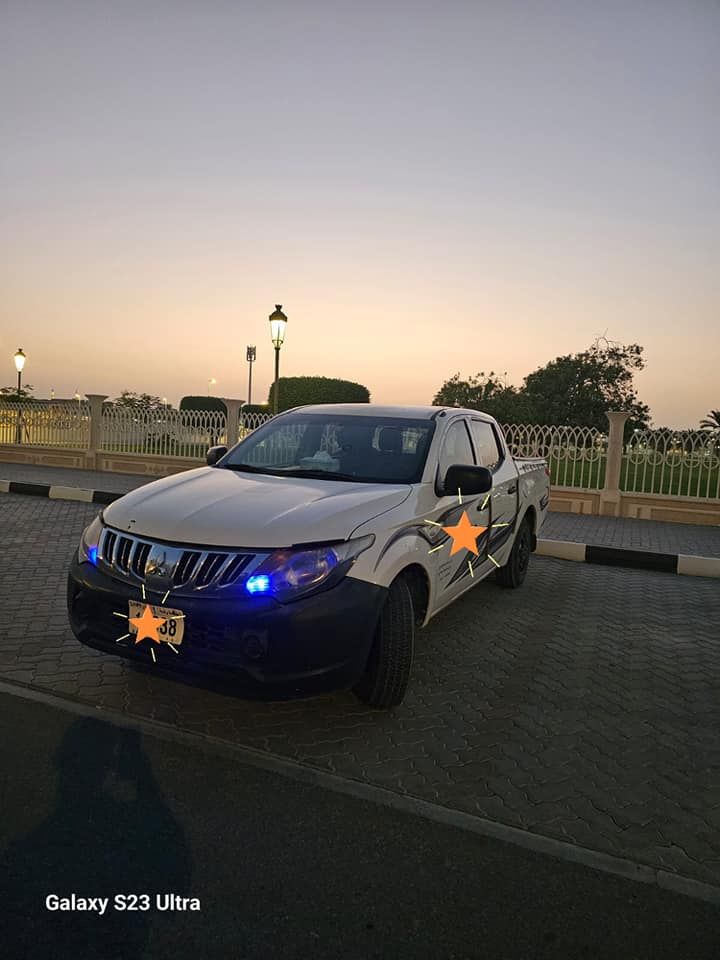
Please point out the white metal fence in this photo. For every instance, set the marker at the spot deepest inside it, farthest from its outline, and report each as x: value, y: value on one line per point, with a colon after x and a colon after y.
x: 55, y: 424
x: 164, y: 432
x: 678, y: 463
x: 682, y: 463
x: 576, y: 455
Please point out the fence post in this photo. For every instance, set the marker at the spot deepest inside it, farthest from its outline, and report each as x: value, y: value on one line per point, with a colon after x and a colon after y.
x: 233, y: 419
x: 610, y: 496
x: 96, y: 406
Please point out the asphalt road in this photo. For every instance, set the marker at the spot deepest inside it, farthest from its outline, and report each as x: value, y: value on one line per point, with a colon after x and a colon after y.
x: 282, y: 869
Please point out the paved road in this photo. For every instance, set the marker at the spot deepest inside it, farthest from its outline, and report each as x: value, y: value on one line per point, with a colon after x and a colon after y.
x: 621, y: 532
x: 67, y: 477
x: 282, y: 869
x: 583, y: 707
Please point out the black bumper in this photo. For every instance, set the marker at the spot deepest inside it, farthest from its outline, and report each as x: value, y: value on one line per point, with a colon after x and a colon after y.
x: 248, y: 645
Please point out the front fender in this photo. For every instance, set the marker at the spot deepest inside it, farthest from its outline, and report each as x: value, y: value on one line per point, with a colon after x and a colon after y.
x: 398, y: 550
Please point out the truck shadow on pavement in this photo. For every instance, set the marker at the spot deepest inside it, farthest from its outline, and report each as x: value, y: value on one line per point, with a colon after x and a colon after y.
x: 111, y: 832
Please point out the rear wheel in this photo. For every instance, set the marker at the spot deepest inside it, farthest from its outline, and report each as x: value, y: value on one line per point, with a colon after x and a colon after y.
x: 516, y: 568
x: 388, y: 669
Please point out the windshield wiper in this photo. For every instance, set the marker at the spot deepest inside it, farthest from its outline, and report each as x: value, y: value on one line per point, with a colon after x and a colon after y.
x: 334, y: 475
x: 301, y: 472
x: 319, y: 474
x: 251, y: 468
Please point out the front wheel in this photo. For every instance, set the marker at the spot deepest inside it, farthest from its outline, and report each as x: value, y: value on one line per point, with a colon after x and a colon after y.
x: 516, y: 568
x: 388, y: 669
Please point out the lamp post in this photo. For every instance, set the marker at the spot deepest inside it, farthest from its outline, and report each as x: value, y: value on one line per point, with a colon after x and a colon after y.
x: 211, y: 381
x: 19, y: 359
x: 278, y: 322
x: 250, y: 357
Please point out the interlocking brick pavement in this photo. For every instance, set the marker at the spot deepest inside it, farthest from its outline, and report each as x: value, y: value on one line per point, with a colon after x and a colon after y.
x: 583, y: 707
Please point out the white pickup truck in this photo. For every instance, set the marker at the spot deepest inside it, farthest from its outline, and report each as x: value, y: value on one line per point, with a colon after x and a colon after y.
x: 307, y: 556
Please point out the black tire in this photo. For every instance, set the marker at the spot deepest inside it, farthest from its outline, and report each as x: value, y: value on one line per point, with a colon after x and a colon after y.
x: 516, y: 568
x: 389, y: 665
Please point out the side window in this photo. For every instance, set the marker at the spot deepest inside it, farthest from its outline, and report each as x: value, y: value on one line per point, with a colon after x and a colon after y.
x: 456, y: 447
x: 488, y: 452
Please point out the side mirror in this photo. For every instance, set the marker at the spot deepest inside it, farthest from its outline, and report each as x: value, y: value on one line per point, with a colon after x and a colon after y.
x: 214, y: 454
x: 467, y: 479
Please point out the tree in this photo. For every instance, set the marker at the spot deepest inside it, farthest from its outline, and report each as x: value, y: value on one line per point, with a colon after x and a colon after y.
x: 580, y: 389
x: 11, y: 393
x: 129, y: 398
x: 298, y: 391
x: 202, y: 403
x: 575, y: 390
x: 486, y: 392
x: 468, y: 393
x: 711, y: 421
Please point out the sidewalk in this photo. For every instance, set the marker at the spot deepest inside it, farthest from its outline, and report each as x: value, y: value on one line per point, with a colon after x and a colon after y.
x: 67, y: 477
x: 620, y: 533
x: 625, y: 534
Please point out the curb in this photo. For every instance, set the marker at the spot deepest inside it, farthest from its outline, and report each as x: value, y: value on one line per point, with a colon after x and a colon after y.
x: 55, y: 492
x: 683, y: 564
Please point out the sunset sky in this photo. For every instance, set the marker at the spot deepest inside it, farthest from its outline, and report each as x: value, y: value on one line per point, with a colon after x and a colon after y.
x: 427, y: 188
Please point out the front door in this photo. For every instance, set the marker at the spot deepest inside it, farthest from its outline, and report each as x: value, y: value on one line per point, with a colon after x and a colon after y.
x: 491, y: 453
x: 454, y: 572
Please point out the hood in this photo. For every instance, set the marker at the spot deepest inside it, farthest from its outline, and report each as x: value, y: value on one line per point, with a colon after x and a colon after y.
x: 214, y: 506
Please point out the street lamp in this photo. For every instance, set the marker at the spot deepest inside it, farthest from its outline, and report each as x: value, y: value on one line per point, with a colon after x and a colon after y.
x: 250, y: 357
x: 19, y: 359
x: 211, y: 381
x: 278, y: 322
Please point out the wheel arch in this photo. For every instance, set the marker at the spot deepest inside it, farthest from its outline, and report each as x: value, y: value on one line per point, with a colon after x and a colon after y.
x: 419, y: 583
x: 531, y: 516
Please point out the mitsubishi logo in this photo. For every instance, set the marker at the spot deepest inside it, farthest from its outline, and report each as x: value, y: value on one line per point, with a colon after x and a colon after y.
x: 159, y: 567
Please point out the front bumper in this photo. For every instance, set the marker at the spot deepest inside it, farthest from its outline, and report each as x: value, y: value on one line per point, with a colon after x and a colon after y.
x: 238, y: 643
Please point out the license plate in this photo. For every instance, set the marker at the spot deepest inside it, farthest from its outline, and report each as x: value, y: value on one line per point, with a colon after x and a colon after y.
x: 169, y: 632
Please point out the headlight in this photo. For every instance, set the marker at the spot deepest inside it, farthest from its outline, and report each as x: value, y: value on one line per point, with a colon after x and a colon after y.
x: 87, y: 551
x: 290, y: 574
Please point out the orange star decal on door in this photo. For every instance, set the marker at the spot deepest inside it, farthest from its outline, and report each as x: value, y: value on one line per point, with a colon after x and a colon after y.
x: 147, y: 625
x: 464, y: 535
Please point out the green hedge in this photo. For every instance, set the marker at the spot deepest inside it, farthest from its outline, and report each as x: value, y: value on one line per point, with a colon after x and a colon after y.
x: 298, y: 391
x: 202, y: 403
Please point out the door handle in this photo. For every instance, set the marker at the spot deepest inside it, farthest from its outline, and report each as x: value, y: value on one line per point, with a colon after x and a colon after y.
x: 513, y: 488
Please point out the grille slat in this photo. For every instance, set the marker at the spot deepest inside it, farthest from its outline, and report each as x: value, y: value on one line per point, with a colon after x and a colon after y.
x: 109, y: 546
x: 185, y: 567
x: 209, y: 567
x: 234, y: 568
x: 122, y: 556
x: 140, y: 556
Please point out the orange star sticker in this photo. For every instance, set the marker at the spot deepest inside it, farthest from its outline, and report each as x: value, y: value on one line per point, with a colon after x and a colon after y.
x: 147, y: 625
x: 464, y: 535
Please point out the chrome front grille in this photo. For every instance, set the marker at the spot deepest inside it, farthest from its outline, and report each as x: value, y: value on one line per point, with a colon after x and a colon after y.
x: 165, y: 566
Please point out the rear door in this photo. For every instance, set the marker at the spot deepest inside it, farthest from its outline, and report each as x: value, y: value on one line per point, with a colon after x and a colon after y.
x: 492, y: 452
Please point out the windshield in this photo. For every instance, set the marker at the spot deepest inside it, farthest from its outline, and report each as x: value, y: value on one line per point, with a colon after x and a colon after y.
x: 337, y: 447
